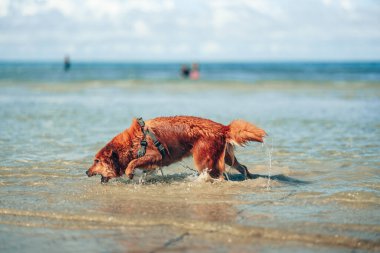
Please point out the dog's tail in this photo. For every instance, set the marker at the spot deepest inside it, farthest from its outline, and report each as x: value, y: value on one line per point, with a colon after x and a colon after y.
x: 240, y: 132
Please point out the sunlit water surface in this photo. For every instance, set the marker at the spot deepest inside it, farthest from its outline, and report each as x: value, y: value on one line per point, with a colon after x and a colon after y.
x: 322, y: 153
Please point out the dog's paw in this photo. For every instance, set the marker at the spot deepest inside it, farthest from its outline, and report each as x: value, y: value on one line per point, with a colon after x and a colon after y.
x: 104, y: 180
x: 130, y: 176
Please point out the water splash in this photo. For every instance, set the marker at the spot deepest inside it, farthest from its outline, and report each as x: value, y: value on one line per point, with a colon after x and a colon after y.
x: 204, y: 177
x: 269, y: 151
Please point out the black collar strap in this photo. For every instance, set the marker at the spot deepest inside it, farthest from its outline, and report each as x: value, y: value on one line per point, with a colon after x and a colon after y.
x: 144, y: 143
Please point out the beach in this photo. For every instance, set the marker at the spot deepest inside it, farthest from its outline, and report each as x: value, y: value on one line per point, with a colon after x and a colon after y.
x: 320, y: 193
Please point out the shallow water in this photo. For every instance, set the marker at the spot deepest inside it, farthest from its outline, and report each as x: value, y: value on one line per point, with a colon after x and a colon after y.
x: 323, y: 195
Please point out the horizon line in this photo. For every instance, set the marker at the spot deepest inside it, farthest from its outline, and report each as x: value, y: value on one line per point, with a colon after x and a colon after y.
x: 191, y: 61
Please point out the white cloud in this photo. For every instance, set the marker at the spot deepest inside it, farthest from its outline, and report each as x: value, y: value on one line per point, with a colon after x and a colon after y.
x: 181, y: 29
x: 34, y: 8
x: 183, y: 22
x: 4, y: 8
x: 31, y: 8
x: 210, y: 47
x: 157, y: 49
x: 168, y: 4
x: 149, y: 6
x: 269, y: 8
x: 181, y: 49
x: 141, y: 29
x: 100, y: 8
x: 86, y: 9
x: 326, y: 2
x: 347, y: 5
x: 222, y: 17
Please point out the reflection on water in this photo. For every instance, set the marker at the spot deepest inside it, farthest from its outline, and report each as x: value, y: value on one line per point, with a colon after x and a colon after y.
x: 323, y: 193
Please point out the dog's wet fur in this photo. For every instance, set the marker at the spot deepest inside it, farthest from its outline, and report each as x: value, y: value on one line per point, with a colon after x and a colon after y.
x: 210, y: 143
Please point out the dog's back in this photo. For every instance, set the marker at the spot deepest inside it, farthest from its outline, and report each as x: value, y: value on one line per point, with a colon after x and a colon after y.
x: 179, y: 134
x: 205, y: 139
x: 189, y: 128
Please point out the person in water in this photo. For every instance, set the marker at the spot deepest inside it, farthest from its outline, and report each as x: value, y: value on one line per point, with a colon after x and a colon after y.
x: 185, y: 71
x: 66, y: 63
x: 194, y: 74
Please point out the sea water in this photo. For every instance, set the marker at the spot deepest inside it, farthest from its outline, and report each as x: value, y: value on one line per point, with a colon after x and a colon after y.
x: 322, y: 194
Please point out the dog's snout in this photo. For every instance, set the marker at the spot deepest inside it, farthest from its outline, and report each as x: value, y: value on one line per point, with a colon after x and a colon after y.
x: 88, y: 173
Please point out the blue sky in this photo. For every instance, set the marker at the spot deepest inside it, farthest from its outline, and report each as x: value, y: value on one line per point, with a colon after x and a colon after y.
x: 198, y: 30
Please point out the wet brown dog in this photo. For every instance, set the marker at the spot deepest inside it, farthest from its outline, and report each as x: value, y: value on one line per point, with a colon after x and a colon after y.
x: 210, y: 143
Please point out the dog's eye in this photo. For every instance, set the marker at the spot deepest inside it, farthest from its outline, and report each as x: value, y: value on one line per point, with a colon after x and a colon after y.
x: 96, y: 160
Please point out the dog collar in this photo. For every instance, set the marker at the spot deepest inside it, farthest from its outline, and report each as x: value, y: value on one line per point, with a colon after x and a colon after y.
x: 141, y: 152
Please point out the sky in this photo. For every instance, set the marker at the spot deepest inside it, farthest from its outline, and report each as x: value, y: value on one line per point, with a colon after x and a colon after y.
x: 194, y: 30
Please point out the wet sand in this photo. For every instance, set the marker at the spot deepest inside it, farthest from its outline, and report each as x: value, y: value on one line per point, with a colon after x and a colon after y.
x: 322, y: 156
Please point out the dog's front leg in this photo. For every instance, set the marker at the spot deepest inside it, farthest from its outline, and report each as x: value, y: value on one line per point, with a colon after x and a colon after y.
x: 142, y: 162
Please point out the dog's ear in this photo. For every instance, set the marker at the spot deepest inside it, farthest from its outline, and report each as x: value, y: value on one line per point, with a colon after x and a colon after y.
x: 115, y: 160
x: 135, y: 128
x: 114, y: 155
x: 108, y: 153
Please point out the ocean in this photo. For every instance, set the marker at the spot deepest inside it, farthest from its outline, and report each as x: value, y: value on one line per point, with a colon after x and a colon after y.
x: 245, y: 72
x: 319, y: 189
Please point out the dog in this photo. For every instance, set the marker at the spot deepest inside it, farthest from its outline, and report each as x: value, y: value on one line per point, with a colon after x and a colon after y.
x: 163, y: 141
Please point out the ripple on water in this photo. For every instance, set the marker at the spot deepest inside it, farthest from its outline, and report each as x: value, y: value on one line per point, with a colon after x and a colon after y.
x: 354, y: 199
x: 325, y: 157
x: 238, y: 233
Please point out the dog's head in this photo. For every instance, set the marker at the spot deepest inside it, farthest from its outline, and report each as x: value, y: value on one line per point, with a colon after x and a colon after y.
x: 106, y: 164
x: 112, y: 160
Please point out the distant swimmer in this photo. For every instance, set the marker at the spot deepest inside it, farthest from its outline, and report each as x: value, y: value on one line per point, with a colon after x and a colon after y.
x: 194, y: 74
x: 185, y: 71
x: 66, y: 63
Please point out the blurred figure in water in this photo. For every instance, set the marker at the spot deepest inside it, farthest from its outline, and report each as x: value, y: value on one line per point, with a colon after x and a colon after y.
x: 66, y: 63
x: 194, y: 74
x: 185, y: 71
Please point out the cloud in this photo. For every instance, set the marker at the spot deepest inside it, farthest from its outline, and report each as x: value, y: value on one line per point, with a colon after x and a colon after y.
x: 141, y: 29
x: 221, y: 17
x: 347, y: 5
x: 149, y: 6
x: 210, y: 47
x: 266, y: 8
x: 4, y: 8
x: 180, y: 29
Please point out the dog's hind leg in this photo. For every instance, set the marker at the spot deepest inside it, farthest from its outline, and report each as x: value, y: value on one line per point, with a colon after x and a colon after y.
x: 209, y: 154
x: 241, y: 168
x: 231, y: 160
